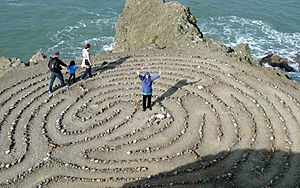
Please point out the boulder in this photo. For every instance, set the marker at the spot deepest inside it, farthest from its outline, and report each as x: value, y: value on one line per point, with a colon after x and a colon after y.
x: 7, y: 62
x: 277, y: 61
x: 15, y: 61
x: 147, y: 24
x: 243, y: 52
x: 4, y: 62
x: 216, y: 46
x: 38, y: 57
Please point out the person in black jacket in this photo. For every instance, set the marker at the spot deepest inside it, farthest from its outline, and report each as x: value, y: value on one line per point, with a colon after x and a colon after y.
x: 54, y: 65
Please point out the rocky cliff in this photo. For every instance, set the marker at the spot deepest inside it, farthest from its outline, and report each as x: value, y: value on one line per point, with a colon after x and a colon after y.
x: 155, y: 24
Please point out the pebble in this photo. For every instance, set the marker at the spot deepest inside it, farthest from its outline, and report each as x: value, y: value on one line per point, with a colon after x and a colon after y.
x: 160, y: 116
x: 200, y: 87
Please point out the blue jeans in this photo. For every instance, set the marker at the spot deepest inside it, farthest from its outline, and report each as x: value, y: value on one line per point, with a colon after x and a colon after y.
x: 52, y: 78
x: 88, y: 71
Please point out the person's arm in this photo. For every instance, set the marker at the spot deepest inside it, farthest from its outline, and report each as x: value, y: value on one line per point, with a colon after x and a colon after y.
x: 63, y: 64
x: 49, y: 62
x: 139, y: 75
x: 154, y: 77
x: 77, y: 67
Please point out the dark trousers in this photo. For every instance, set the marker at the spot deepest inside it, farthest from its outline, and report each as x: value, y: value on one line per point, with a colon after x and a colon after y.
x: 146, y: 99
x: 72, y: 76
x: 88, y: 71
x: 52, y: 78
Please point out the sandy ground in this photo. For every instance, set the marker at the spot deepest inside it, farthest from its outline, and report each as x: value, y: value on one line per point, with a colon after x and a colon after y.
x: 215, y: 122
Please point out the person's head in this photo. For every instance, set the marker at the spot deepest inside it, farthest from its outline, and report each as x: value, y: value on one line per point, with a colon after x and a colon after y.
x: 87, y: 46
x: 147, y: 74
x: 56, y: 54
x: 72, y: 63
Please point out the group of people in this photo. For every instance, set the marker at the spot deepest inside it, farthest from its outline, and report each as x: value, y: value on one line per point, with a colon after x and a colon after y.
x: 55, y: 66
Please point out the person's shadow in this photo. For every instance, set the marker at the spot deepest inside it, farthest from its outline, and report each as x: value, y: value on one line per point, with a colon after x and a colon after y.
x: 104, y: 67
x: 108, y: 65
x: 172, y: 90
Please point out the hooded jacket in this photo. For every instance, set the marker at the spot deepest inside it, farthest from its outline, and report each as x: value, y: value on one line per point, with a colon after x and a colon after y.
x: 147, y: 83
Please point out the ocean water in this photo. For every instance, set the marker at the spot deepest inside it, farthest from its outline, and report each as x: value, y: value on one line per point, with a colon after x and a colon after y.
x: 28, y: 26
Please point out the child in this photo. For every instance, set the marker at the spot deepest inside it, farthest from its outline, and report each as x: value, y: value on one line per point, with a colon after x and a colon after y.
x: 72, y: 69
x: 147, y: 88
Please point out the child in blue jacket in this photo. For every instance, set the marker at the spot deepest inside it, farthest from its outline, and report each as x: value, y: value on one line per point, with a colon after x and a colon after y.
x: 147, y: 81
x: 72, y: 69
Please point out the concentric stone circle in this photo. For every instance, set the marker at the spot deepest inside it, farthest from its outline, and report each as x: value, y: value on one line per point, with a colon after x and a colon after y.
x: 213, y: 123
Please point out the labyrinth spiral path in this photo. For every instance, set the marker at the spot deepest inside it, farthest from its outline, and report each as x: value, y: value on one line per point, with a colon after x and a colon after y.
x: 214, y: 123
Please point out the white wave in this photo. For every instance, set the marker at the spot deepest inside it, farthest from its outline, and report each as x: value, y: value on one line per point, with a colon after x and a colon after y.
x: 21, y: 4
x: 295, y: 66
x: 108, y: 47
x: 53, y: 48
x: 261, y: 37
x: 85, y: 11
x: 98, y: 39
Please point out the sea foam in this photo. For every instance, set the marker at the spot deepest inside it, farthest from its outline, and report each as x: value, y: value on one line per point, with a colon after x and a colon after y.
x: 261, y: 37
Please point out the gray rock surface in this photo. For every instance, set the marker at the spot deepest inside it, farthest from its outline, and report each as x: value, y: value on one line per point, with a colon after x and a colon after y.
x: 147, y: 24
x: 277, y: 61
x: 6, y: 62
x: 243, y: 52
x: 39, y: 56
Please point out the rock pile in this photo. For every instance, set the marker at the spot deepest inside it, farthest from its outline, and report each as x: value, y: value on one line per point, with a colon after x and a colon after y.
x: 6, y: 63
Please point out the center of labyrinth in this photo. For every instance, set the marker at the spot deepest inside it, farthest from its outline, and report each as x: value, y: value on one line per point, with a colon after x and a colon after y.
x: 212, y: 123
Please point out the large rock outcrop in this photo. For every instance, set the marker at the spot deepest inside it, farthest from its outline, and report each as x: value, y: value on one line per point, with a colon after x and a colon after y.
x: 156, y: 23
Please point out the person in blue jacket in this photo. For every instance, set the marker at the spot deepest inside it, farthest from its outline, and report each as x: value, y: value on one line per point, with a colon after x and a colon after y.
x: 72, y: 69
x: 147, y: 81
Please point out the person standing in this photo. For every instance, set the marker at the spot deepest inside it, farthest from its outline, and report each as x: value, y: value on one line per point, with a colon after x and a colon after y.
x: 147, y: 81
x: 54, y: 65
x: 86, y: 61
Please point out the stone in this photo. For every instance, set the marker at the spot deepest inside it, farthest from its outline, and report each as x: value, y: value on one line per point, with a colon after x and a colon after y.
x: 243, y: 52
x: 277, y: 61
x: 200, y: 87
x: 216, y: 46
x: 16, y: 62
x: 52, y: 145
x: 38, y: 57
x: 4, y: 62
x: 160, y: 116
x: 158, y: 24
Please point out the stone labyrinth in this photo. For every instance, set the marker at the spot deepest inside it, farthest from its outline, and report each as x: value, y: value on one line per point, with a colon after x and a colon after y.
x: 213, y: 123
